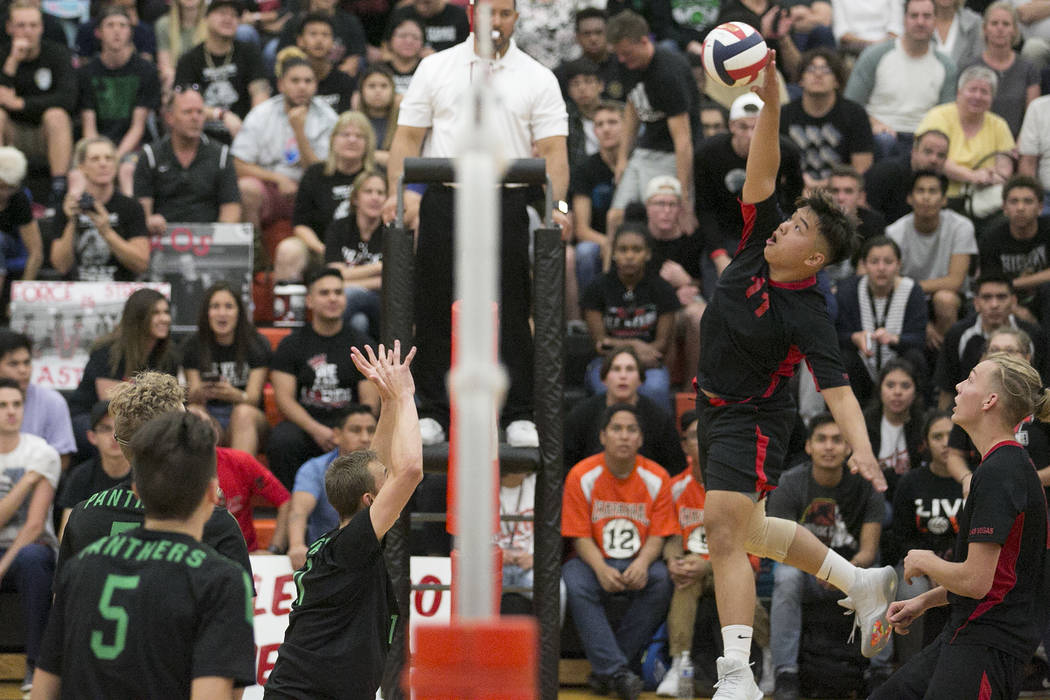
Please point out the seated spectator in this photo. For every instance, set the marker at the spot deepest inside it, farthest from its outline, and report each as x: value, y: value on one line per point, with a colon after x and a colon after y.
x: 887, y: 185
x: 846, y: 186
x: 105, y: 470
x: 994, y: 302
x: 45, y: 412
x: 406, y: 51
x: 1034, y: 145
x: 956, y: 32
x: 844, y: 511
x: 313, y: 378
x: 315, y: 39
x: 141, y: 340
x: 1019, y: 248
x: 617, y: 525
x: 311, y: 514
x: 810, y: 23
x: 828, y: 129
x: 633, y: 306
x: 354, y: 246
x: 324, y: 192
x: 225, y: 363
x: 882, y: 316
x: 590, y: 23
x: 118, y: 91
x: 444, y: 24
x: 858, y: 24
x: 894, y: 420
x: 899, y: 81
x: 936, y: 246
x: 592, y: 190
x: 714, y: 119
x: 585, y: 94
x: 622, y: 375
x: 378, y: 101
x: 926, y: 504
x: 29, y: 467
x: 243, y: 480
x: 347, y: 53
x: 980, y: 141
x: 34, y: 112
x: 1018, y: 77
x: 54, y: 29
x: 103, y: 232
x: 178, y: 30
x: 230, y: 73
x: 20, y: 239
x: 89, y: 42
x: 279, y: 139
x: 186, y: 177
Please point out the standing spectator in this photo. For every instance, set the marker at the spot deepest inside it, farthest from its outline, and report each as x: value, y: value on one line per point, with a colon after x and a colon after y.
x: 1018, y: 77
x: 590, y: 25
x: 347, y: 53
x: 180, y: 29
x: 378, y: 101
x: 828, y: 129
x: 956, y: 31
x: 279, y: 139
x: 845, y: 513
x: 617, y: 524
x: 354, y: 246
x: 937, y: 245
x: 315, y: 39
x: 859, y: 24
x: 406, y: 51
x: 313, y: 378
x: 37, y: 95
x: 29, y: 472
x: 592, y: 191
x: 19, y: 233
x: 771, y: 23
x: 230, y: 73
x: 225, y: 362
x: 118, y: 91
x: 1034, y: 144
x: 87, y: 43
x: 665, y: 100
x: 103, y: 232
x: 45, y: 412
x: 585, y: 93
x: 532, y: 112
x: 105, y: 470
x: 325, y: 190
x: 1019, y: 248
x: 899, y: 81
x: 185, y: 176
x: 311, y: 513
x: 887, y: 183
x: 444, y: 24
x: 623, y: 374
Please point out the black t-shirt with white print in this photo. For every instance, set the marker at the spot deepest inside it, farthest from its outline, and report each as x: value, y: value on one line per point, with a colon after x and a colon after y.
x: 322, y: 198
x: 95, y: 261
x: 326, y: 379
x: 665, y: 88
x: 343, y: 243
x: 223, y: 80
x: 222, y: 359
x: 630, y: 314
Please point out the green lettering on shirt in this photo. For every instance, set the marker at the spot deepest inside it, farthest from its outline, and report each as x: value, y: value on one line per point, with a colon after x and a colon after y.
x: 146, y: 551
x: 133, y: 544
x: 161, y: 550
x: 177, y: 551
x: 196, y: 558
x: 298, y: 575
x: 93, y: 548
x: 390, y: 634
x: 117, y: 527
x: 249, y: 593
x: 113, y: 545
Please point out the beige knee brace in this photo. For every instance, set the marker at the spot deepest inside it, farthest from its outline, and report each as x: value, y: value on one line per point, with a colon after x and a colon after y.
x: 769, y: 537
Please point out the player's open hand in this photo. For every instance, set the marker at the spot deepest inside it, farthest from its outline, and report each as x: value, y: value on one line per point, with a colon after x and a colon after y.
x: 867, y: 466
x: 390, y: 374
x: 769, y: 89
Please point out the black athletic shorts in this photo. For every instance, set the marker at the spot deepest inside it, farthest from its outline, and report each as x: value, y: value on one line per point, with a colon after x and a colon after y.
x: 955, y: 671
x: 742, y: 445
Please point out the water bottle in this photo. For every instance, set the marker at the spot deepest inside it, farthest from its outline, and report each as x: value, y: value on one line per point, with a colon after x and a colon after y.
x: 685, y: 677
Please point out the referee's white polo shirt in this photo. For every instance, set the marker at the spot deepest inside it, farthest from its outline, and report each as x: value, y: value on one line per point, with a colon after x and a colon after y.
x: 529, y: 105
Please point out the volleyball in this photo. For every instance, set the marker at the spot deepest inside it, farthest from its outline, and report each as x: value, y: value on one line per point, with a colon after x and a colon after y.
x: 734, y: 54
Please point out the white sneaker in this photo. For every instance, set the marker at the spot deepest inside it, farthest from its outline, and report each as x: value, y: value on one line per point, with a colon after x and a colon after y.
x: 735, y: 681
x: 668, y: 687
x: 870, y: 597
x: 430, y: 431
x: 522, y: 433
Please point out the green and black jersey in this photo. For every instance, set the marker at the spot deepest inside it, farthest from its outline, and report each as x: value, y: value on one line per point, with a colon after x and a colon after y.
x: 143, y: 613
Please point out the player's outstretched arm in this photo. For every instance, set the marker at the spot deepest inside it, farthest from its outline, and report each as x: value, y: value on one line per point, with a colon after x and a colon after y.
x: 763, y: 160
x: 404, y: 451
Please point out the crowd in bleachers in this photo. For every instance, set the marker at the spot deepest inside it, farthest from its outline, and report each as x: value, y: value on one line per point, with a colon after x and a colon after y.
x: 921, y: 118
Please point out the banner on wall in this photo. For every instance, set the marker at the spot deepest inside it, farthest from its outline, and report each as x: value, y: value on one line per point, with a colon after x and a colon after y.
x: 192, y: 257
x: 64, y: 319
x: 275, y: 591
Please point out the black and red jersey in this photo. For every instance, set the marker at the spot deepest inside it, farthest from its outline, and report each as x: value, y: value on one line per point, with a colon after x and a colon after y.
x: 756, y: 331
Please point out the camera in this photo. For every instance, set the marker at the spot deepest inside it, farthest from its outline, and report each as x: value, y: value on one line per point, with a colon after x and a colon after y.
x: 86, y: 202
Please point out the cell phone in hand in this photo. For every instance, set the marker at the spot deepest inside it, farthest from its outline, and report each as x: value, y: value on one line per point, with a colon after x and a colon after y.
x: 210, y: 376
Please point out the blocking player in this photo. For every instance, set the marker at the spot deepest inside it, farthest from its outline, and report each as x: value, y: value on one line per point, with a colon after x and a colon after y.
x: 344, y: 616
x: 133, y: 404
x: 152, y: 611
x: 996, y: 584
x: 765, y: 317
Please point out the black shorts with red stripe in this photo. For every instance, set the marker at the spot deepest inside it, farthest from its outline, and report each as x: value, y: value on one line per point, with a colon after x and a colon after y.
x: 743, y: 445
x: 956, y: 671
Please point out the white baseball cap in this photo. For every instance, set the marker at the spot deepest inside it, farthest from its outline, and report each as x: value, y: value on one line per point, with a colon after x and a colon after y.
x: 747, y: 105
x: 663, y: 184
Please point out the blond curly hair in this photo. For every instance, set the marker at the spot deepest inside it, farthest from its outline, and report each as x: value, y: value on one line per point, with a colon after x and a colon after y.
x: 148, y: 395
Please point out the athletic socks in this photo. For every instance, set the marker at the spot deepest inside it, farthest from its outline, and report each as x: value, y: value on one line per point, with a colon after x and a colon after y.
x: 736, y: 640
x: 837, y: 571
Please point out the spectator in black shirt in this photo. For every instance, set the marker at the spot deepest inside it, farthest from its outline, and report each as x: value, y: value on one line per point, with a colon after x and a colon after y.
x: 406, y: 51
x: 887, y: 183
x: 88, y: 41
x: 590, y: 37
x: 230, y: 73
x: 103, y: 471
x: 347, y: 52
x: 104, y: 236
x: 118, y: 90
x: 585, y: 91
x: 21, y: 242
x: 444, y: 24
x: 592, y: 188
x: 37, y: 95
x: 314, y: 39
x: 186, y: 177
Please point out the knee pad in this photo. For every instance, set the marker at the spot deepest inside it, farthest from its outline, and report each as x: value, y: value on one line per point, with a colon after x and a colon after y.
x: 769, y: 537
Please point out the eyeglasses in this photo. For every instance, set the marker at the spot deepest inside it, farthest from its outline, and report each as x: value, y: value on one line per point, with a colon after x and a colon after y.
x: 817, y: 69
x: 186, y: 87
